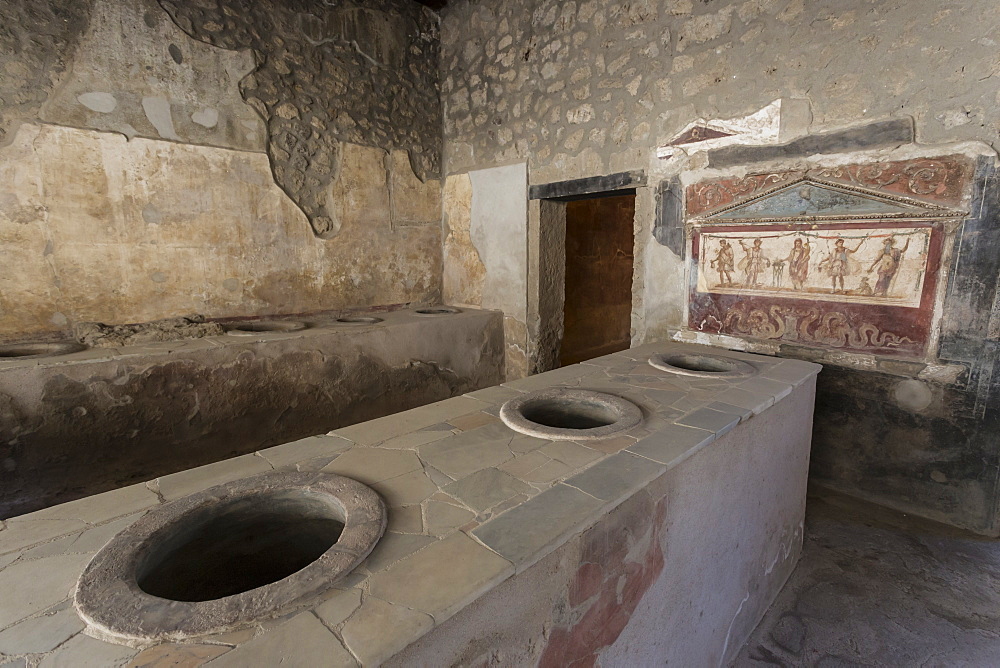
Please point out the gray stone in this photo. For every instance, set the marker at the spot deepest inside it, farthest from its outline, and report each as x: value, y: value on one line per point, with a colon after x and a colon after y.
x: 85, y: 652
x: 484, y: 489
x: 420, y: 581
x: 33, y: 586
x: 301, y: 641
x: 617, y: 477
x: 470, y: 451
x: 711, y: 420
x: 365, y: 633
x: 528, y: 532
x: 673, y: 444
x: 40, y: 634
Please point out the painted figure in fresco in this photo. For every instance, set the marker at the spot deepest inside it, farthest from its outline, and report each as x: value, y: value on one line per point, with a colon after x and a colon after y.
x: 865, y: 288
x: 723, y: 263
x: 798, y: 263
x: 887, y: 264
x: 839, y: 263
x: 753, y: 263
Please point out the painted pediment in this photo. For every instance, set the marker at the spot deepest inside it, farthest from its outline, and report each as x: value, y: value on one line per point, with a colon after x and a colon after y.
x: 811, y: 199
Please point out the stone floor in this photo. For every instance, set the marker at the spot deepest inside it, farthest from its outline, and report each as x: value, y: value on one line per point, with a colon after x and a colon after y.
x: 879, y: 588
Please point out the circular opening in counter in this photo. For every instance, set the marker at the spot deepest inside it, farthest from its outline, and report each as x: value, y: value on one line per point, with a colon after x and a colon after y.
x: 702, y: 365
x: 569, y: 414
x: 262, y: 326
x: 25, y: 350
x: 240, y: 545
x: 438, y: 310
x: 230, y: 556
x: 360, y: 320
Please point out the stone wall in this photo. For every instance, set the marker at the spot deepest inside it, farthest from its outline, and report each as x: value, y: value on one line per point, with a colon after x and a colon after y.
x: 149, y: 174
x: 593, y: 88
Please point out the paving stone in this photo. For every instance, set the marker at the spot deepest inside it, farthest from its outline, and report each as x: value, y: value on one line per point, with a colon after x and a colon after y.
x: 372, y: 465
x: 569, y: 453
x: 85, y: 652
x: 671, y: 446
x: 392, y: 547
x: 20, y: 534
x: 292, y: 453
x: 495, y: 395
x: 176, y: 485
x: 365, y: 633
x: 470, y: 451
x: 742, y: 413
x: 548, y: 472
x: 526, y: 533
x: 473, y: 421
x: 521, y: 465
x: 441, y: 519
x: 406, y: 519
x: 406, y: 490
x: 755, y: 402
x: 100, y: 507
x: 550, y: 378
x: 382, y: 429
x: 14, y: 663
x: 715, y: 421
x: 29, y: 587
x: 610, y: 446
x: 484, y: 489
x: 413, y: 440
x: 177, y: 656
x: 767, y: 386
x: 442, y: 578
x: 87, y: 542
x: 40, y: 634
x: 617, y: 477
x: 301, y: 642
x: 525, y: 443
x: 795, y: 372
x: 339, y: 606
x: 437, y: 477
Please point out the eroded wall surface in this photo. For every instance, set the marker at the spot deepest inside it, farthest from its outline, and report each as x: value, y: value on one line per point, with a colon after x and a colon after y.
x: 81, y: 424
x: 149, y: 174
x: 590, y: 88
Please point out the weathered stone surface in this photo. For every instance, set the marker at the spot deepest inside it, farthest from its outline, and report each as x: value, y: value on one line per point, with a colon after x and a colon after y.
x: 183, y: 82
x: 329, y: 85
x: 464, y: 272
x: 212, y: 234
x: 301, y: 641
x: 70, y: 429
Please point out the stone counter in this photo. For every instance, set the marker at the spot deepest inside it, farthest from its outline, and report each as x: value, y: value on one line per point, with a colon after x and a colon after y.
x: 79, y: 424
x: 665, y: 543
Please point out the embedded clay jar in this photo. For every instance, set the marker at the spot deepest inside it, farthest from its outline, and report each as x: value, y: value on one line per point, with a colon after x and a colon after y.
x: 570, y: 414
x: 360, y: 320
x: 31, y: 350
x: 701, y: 365
x: 229, y: 556
x: 263, y: 326
x: 438, y: 310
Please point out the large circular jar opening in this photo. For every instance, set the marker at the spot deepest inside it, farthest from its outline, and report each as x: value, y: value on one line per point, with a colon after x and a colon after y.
x: 261, y: 326
x: 701, y: 365
x: 229, y: 557
x: 570, y: 414
x: 23, y: 350
x: 240, y: 545
x: 438, y: 310
x: 359, y: 320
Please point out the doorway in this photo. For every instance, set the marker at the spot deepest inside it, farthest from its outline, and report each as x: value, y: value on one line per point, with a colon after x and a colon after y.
x: 597, y: 308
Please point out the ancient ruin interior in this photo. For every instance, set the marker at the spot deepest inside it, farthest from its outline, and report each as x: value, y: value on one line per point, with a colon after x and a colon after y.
x: 499, y: 333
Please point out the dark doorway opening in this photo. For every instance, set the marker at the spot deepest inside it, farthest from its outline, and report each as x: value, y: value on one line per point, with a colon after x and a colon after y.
x: 597, y: 308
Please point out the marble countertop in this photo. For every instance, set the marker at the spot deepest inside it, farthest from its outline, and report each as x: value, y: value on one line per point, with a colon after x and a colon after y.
x: 471, y: 503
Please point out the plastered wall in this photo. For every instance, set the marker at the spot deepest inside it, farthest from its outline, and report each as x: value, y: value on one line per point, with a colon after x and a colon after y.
x: 159, y: 160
